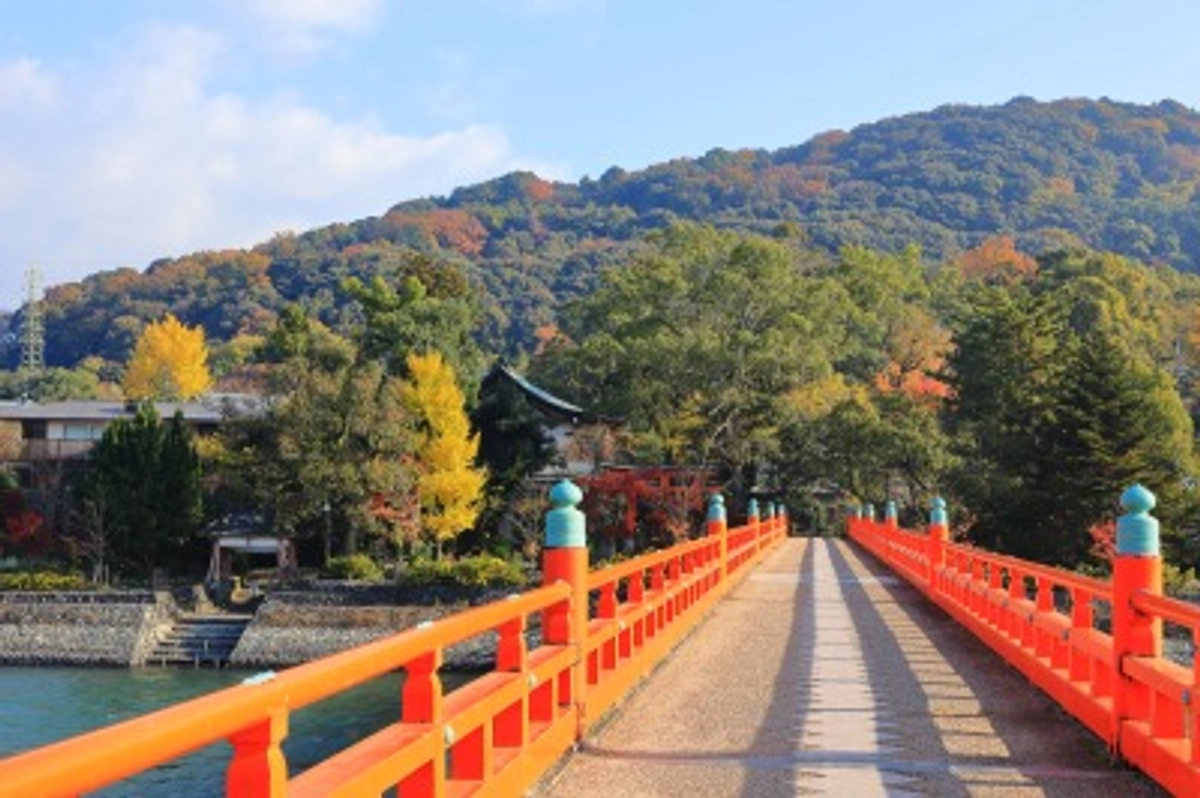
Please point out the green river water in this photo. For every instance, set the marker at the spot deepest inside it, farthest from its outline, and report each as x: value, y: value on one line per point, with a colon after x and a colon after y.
x: 42, y: 705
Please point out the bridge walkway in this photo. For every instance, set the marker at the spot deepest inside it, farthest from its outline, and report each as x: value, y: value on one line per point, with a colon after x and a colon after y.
x: 824, y: 674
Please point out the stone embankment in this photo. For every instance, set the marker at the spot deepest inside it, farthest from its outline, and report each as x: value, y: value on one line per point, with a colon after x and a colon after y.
x: 113, y: 628
x: 295, y: 626
x: 119, y: 628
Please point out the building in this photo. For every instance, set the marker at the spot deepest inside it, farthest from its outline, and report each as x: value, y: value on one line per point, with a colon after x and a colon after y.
x: 582, y: 439
x: 50, y: 436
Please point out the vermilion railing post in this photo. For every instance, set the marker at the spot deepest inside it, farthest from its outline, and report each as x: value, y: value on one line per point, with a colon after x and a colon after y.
x: 718, y: 527
x: 565, y: 558
x: 854, y: 523
x: 752, y: 519
x: 1137, y: 568
x: 939, y: 535
x: 258, y: 767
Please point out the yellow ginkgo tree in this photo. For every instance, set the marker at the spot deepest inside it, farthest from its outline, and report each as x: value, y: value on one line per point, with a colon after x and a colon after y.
x: 449, y: 486
x: 170, y: 362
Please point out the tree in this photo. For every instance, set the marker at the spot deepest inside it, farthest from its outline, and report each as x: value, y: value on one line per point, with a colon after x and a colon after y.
x: 142, y: 488
x: 449, y: 486
x: 1117, y: 422
x: 428, y: 309
x: 1057, y: 408
x: 334, y: 446
x: 695, y: 341
x: 169, y: 361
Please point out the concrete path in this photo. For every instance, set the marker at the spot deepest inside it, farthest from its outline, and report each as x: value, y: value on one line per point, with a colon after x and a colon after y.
x: 822, y: 674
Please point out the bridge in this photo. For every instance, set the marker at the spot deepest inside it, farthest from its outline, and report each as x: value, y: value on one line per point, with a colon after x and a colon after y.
x: 742, y: 663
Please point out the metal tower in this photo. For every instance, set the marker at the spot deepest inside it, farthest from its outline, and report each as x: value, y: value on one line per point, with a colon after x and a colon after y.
x: 33, y: 332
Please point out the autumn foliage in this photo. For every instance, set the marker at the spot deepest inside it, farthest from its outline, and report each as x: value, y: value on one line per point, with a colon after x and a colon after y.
x: 449, y: 487
x: 996, y: 259
x: 170, y: 361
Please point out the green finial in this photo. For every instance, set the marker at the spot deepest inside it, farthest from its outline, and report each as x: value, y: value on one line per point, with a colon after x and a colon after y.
x: 937, y: 513
x: 566, y: 526
x: 889, y: 511
x: 857, y: 511
x: 752, y: 508
x: 1137, y: 530
x: 716, y: 507
x: 770, y: 511
x: 869, y: 512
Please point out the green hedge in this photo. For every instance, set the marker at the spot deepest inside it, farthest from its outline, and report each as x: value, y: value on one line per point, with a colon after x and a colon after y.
x: 46, y: 581
x: 480, y: 571
x: 358, y: 567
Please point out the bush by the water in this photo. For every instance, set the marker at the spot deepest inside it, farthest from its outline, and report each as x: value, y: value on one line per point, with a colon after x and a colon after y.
x: 357, y: 567
x: 480, y: 571
x: 43, y: 581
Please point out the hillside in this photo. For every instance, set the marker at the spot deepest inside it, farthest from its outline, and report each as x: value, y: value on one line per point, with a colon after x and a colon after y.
x: 1098, y: 174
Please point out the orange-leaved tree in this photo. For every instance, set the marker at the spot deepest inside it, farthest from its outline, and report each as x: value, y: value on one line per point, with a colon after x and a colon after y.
x: 170, y: 361
x: 449, y: 486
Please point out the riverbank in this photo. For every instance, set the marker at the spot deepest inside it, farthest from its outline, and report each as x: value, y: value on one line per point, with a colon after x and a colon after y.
x: 119, y: 628
x: 295, y: 626
x: 109, y: 628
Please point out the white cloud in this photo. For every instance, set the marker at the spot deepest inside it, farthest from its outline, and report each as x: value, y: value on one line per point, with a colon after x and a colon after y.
x: 548, y: 7
x: 347, y: 15
x: 304, y: 27
x: 24, y: 84
x: 143, y: 160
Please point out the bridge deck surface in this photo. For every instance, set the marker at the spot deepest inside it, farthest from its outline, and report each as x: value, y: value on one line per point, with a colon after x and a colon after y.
x: 823, y: 674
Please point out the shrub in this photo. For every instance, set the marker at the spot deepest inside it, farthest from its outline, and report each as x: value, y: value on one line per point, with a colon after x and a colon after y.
x: 357, y: 567
x: 481, y: 571
x: 43, y: 581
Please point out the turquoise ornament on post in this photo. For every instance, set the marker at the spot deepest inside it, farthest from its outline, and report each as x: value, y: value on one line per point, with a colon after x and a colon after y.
x: 1137, y: 530
x: 566, y: 526
x: 716, y: 507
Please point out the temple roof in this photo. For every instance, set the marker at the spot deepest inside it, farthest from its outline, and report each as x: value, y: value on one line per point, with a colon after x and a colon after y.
x: 545, y: 401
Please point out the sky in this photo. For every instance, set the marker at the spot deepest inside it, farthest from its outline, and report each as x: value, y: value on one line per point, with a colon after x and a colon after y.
x: 133, y: 130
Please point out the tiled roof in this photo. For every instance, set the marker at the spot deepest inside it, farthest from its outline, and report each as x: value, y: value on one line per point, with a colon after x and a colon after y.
x: 210, y: 411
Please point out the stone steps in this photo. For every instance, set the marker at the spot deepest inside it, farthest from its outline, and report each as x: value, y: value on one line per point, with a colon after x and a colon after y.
x: 199, y: 639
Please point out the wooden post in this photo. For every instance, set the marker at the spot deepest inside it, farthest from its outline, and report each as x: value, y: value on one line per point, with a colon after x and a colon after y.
x: 718, y: 526
x: 565, y: 558
x: 258, y: 767
x: 1137, y: 568
x: 939, y: 534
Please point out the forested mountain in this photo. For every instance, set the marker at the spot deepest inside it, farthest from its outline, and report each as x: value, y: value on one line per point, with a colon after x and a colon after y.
x: 1073, y: 173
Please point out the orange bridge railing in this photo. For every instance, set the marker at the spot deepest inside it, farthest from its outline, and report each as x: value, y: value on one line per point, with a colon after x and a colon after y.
x: 1106, y: 668
x: 602, y: 631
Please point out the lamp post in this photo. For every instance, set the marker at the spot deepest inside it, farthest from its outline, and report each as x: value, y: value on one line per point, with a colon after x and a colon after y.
x: 326, y: 535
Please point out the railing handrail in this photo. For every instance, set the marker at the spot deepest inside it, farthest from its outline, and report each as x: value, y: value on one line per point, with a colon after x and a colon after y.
x: 253, y: 715
x: 1060, y: 576
x: 1116, y: 680
x: 94, y: 759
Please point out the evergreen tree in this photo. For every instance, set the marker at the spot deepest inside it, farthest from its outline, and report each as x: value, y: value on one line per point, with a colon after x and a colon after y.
x: 1116, y: 422
x: 144, y: 480
x: 180, y: 499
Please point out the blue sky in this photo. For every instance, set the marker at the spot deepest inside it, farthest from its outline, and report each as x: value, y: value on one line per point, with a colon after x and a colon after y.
x: 137, y: 129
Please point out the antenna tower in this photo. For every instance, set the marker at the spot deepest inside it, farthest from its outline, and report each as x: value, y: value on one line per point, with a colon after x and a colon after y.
x: 33, y: 332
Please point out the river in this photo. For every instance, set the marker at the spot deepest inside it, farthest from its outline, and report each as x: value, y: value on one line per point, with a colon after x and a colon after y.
x: 42, y: 705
